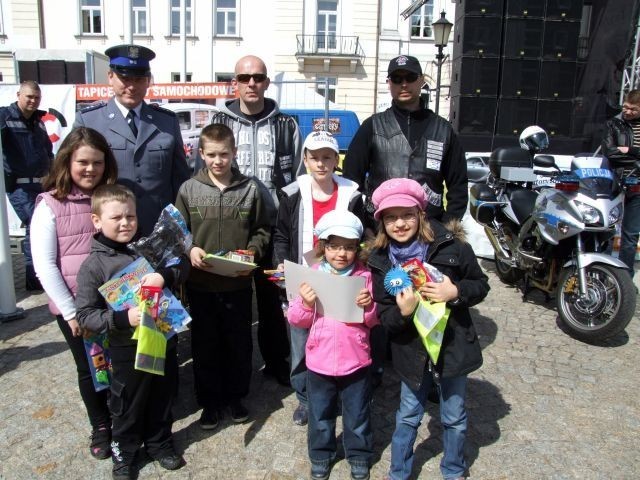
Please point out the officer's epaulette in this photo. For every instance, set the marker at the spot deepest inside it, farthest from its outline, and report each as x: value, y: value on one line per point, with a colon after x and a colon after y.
x: 93, y: 106
x: 157, y: 107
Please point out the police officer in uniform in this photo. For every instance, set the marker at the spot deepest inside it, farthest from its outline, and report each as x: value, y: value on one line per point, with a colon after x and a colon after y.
x: 145, y: 139
x: 27, y: 154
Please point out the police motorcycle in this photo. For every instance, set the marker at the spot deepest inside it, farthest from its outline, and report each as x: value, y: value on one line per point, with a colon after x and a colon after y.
x: 555, y: 237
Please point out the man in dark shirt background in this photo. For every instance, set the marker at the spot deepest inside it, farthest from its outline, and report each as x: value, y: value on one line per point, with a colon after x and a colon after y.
x: 27, y: 154
x: 621, y: 144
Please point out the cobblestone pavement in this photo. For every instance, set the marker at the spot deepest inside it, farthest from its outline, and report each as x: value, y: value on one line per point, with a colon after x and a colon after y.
x: 542, y: 406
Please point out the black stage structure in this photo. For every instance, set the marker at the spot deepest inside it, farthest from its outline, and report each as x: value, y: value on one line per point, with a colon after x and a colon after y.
x: 553, y: 63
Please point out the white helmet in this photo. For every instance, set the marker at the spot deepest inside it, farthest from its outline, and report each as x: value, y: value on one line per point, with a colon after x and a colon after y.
x: 534, y: 139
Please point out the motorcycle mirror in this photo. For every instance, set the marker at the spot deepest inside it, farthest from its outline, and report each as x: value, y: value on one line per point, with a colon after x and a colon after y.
x: 544, y: 161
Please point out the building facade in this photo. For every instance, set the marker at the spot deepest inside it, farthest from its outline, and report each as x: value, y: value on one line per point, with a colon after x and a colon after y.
x: 313, y: 49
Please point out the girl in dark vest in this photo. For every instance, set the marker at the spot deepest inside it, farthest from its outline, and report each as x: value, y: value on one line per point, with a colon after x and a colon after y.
x: 61, y: 232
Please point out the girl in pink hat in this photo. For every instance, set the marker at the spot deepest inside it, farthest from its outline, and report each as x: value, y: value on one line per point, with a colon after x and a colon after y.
x: 405, y: 234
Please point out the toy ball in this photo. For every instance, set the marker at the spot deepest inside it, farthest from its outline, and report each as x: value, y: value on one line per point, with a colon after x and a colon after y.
x: 396, y: 280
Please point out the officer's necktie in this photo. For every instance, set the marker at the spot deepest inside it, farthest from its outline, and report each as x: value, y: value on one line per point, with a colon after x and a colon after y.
x: 131, y: 120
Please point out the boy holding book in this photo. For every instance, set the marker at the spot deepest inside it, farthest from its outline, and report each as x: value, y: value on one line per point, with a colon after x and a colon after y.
x: 140, y: 402
x: 224, y: 211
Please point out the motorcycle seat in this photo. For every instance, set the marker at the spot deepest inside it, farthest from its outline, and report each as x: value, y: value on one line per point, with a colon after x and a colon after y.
x: 522, y: 202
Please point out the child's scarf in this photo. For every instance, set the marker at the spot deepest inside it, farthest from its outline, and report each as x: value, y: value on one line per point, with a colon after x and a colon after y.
x: 402, y: 252
x: 326, y: 267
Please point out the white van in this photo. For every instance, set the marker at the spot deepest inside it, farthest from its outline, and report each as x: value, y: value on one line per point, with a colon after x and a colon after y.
x: 192, y: 117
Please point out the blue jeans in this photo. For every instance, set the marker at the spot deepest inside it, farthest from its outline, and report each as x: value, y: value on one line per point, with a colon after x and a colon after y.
x: 630, y: 230
x: 298, y: 366
x: 23, y: 201
x: 453, y: 417
x: 355, y: 392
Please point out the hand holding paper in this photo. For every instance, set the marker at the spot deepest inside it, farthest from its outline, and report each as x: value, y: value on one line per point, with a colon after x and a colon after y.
x: 364, y: 298
x: 308, y: 295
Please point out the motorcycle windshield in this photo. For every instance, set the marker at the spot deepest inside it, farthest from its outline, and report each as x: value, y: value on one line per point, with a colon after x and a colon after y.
x: 597, y: 182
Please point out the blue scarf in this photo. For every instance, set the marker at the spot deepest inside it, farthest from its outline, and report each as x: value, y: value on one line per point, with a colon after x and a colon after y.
x: 402, y: 252
x: 326, y: 267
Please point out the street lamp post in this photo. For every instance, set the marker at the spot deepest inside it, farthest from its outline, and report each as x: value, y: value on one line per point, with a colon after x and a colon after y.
x: 441, y: 31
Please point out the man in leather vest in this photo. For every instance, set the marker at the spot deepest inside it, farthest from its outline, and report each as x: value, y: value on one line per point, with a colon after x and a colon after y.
x: 621, y: 145
x: 409, y: 141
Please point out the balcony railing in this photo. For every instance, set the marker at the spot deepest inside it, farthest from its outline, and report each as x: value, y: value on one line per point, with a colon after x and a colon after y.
x: 329, y: 45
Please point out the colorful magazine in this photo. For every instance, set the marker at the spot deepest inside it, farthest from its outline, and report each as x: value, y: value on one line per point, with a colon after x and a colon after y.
x: 123, y: 292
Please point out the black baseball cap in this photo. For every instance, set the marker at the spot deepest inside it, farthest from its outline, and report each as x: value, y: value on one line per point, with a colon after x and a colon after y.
x: 406, y: 63
x: 130, y: 60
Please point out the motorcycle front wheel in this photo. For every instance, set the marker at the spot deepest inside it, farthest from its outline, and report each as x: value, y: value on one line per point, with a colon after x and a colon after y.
x: 604, y: 311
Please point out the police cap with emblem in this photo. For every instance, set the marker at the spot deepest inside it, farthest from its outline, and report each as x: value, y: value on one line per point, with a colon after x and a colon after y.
x: 130, y: 60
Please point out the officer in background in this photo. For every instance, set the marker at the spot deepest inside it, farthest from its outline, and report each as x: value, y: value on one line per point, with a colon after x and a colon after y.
x: 27, y: 153
x: 145, y: 139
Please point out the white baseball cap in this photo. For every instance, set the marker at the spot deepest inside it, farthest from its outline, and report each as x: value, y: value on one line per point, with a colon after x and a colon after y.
x: 341, y: 223
x: 320, y: 139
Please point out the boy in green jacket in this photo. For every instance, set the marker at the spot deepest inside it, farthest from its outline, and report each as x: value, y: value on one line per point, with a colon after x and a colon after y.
x: 224, y: 211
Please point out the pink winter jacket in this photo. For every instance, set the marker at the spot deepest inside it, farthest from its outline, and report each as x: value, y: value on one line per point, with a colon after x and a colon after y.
x: 335, y: 348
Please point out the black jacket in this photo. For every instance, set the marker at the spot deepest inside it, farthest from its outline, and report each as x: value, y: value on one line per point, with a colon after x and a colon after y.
x: 419, y: 145
x: 460, y: 352
x: 93, y: 312
x: 619, y: 134
x: 26, y: 147
x: 287, y: 241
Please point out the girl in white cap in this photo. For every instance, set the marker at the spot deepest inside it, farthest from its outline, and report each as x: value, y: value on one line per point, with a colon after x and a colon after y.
x: 338, y: 355
x: 302, y: 204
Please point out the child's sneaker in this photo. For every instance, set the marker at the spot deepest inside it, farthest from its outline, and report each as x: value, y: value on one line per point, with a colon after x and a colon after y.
x: 239, y: 413
x: 122, y: 464
x: 359, y: 471
x: 320, y: 470
x: 300, y: 415
x: 209, y: 419
x: 173, y: 461
x: 100, y: 442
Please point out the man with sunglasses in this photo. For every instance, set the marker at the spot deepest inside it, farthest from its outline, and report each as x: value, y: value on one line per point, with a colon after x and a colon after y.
x: 409, y: 141
x: 145, y: 139
x: 269, y: 149
x: 621, y: 145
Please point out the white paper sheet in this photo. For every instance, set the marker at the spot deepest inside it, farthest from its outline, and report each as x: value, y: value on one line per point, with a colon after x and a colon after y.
x: 336, y: 294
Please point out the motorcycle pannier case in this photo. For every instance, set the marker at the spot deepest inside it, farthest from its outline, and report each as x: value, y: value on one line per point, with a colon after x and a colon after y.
x: 513, y: 157
x: 482, y: 203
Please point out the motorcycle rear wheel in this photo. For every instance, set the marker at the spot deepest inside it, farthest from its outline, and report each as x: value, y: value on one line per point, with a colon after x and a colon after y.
x: 507, y: 273
x: 607, y: 308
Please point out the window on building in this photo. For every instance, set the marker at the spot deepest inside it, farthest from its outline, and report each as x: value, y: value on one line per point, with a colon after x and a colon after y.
x: 226, y: 18
x: 327, y: 24
x: 140, y: 17
x: 225, y: 77
x: 321, y: 85
x: 91, y: 15
x: 175, y: 17
x: 175, y: 77
x: 421, y: 22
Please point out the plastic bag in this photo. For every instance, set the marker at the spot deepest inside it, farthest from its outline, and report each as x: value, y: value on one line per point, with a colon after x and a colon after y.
x: 169, y: 239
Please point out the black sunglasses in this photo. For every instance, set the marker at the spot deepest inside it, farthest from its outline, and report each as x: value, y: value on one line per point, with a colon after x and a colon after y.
x: 246, y: 77
x: 409, y: 78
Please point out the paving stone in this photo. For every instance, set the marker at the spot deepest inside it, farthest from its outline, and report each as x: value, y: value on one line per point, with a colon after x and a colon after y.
x: 542, y: 406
